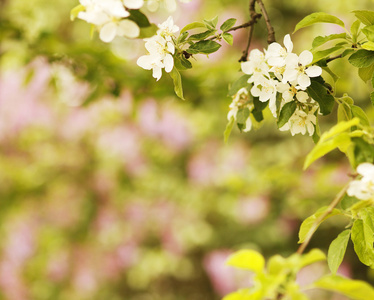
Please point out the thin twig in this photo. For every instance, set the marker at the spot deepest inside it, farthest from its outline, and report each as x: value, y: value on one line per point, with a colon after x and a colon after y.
x: 254, y: 17
x: 330, y: 208
x: 271, y: 32
x: 333, y: 58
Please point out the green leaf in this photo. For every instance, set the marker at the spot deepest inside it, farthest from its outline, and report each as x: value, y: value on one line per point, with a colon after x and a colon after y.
x: 75, y: 11
x: 354, y: 289
x: 348, y: 201
x: 211, y: 23
x: 366, y: 73
x: 238, y: 84
x: 367, y: 215
x: 309, y: 225
x: 228, y: 24
x: 355, y: 30
x: 176, y: 76
x: 320, y: 40
x: 205, y: 47
x: 193, y: 25
x: 360, y: 114
x: 317, y: 56
x: 317, y: 132
x: 344, y: 112
x: 341, y: 141
x: 368, y: 46
x: 202, y: 35
x: 276, y: 264
x: 181, y: 63
x: 365, y: 16
x: 337, y: 250
x: 319, y: 17
x: 259, y: 107
x: 228, y: 38
x: 242, y: 294
x: 182, y: 37
x: 339, y: 128
x: 369, y: 32
x: 362, y: 58
x: 228, y: 129
x: 139, y: 18
x: 285, y: 114
x: 311, y: 257
x: 247, y: 259
x: 363, y: 151
x: 320, y: 94
x: 146, y: 32
x: 242, y: 115
x: 372, y: 97
x: 331, y: 73
x: 362, y: 238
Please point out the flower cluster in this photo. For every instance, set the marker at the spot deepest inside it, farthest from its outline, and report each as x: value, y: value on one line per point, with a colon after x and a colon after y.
x: 109, y: 16
x: 161, y: 49
x: 279, y: 71
x: 241, y: 100
x: 363, y: 188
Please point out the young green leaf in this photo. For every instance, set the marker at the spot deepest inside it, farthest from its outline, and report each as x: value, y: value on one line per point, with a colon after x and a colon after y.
x: 365, y: 16
x: 228, y: 129
x: 337, y: 250
x: 363, y: 151
x: 310, y: 225
x: 247, y: 259
x: 181, y: 63
x: 192, y: 25
x: 146, y: 32
x: 228, y: 24
x: 344, y: 112
x: 355, y: 30
x: 311, y: 257
x: 75, y: 11
x: 319, y: 93
x: 360, y: 114
x: 211, y: 24
x: 242, y: 115
x: 319, y: 17
x: 238, y: 84
x: 339, y: 128
x: 242, y: 294
x: 372, y: 96
x: 182, y: 37
x: 369, y: 32
x: 204, y: 47
x: 366, y: 73
x: 320, y: 40
x: 362, y: 238
x: 354, y: 289
x: 139, y: 18
x: 285, y: 114
x: 202, y: 35
x: 319, y: 55
x: 228, y: 38
x: 176, y: 76
x: 368, y: 46
x: 362, y: 58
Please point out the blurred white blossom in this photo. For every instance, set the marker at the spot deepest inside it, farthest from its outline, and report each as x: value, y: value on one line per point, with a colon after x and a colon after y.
x: 363, y: 188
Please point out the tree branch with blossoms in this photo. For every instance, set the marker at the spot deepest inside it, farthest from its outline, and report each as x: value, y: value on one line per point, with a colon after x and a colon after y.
x: 293, y: 88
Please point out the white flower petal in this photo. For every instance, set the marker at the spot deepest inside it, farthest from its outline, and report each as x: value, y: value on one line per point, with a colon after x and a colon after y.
x: 313, y: 71
x: 108, y: 32
x: 366, y: 169
x: 288, y: 43
x: 169, y: 63
x: 303, y: 80
x: 248, y: 125
x: 305, y: 57
x: 133, y: 4
x: 157, y: 73
x: 170, y: 5
x: 128, y: 29
x: 153, y: 5
x: 145, y: 62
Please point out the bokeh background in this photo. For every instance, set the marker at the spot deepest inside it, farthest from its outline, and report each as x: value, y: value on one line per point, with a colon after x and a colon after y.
x: 112, y: 188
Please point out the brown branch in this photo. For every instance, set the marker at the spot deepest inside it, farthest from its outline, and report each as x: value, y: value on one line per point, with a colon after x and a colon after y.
x: 316, y: 223
x: 254, y: 17
x: 333, y: 58
x: 271, y: 32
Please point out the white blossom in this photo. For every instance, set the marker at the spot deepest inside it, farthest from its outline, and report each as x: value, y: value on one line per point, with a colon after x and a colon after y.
x: 170, y: 5
x: 167, y: 29
x: 363, y: 188
x: 256, y: 66
x: 160, y: 52
x: 301, y: 122
x: 298, y: 69
x: 289, y: 92
x: 133, y: 4
x: 276, y: 54
x: 109, y: 16
x: 240, y: 100
x: 266, y: 89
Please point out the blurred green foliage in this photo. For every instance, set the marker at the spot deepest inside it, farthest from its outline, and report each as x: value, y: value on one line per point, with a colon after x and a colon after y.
x: 112, y: 188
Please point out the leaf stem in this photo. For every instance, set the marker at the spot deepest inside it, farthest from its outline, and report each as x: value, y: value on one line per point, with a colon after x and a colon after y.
x: 330, y: 208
